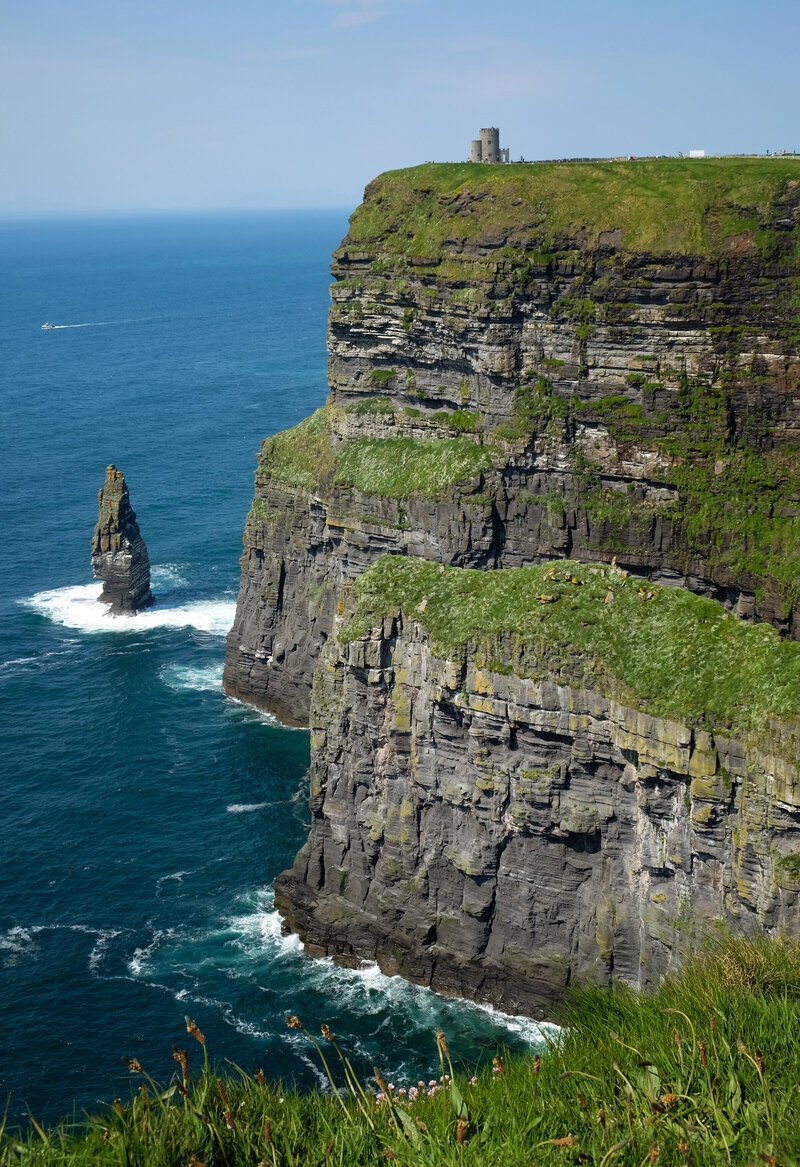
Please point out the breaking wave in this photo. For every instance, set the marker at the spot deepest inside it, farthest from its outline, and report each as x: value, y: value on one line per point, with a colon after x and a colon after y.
x: 79, y: 607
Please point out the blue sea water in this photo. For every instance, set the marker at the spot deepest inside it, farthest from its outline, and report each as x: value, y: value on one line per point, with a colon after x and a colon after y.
x: 144, y: 816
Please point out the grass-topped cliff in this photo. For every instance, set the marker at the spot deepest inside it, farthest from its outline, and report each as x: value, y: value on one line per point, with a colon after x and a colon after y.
x: 540, y: 361
x: 668, y: 652
x: 702, y: 1072
x: 663, y: 206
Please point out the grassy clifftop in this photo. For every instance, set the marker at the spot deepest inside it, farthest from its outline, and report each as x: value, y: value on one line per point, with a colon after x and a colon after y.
x: 676, y: 654
x: 664, y: 205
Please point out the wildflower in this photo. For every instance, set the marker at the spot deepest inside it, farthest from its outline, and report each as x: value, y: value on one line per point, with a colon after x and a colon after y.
x: 654, y: 1154
x: 712, y: 1023
x: 421, y: 1084
x: 701, y: 1045
x: 582, y: 1101
x: 182, y: 1058
x: 473, y: 1081
x: 195, y: 1032
x: 229, y: 1123
x: 742, y: 1048
x: 195, y: 1162
x: 413, y: 1092
x: 601, y: 1117
x: 391, y: 1085
x: 461, y: 1130
x: 567, y: 1141
x: 134, y: 1065
x: 222, y: 1094
x: 184, y: 1093
x: 388, y: 1153
x: 678, y: 1039
x: 432, y: 1082
x: 120, y: 1109
x: 537, y: 1065
x: 401, y: 1090
x: 669, y: 1099
x: 379, y: 1098
x: 267, y: 1131
x: 294, y: 1022
x: 259, y: 1076
x: 326, y: 1033
x: 683, y: 1146
x: 497, y: 1062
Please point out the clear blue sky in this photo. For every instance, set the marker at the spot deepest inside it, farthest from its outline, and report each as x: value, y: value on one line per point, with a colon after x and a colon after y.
x: 116, y: 105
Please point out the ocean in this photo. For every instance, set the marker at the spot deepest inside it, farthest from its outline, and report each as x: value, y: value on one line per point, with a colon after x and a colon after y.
x: 144, y: 814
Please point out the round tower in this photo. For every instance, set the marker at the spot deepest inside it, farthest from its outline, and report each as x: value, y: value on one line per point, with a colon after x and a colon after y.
x: 475, y: 155
x: 490, y: 144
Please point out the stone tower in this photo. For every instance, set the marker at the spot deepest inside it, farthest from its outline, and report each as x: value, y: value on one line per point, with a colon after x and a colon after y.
x: 119, y: 554
x: 490, y: 144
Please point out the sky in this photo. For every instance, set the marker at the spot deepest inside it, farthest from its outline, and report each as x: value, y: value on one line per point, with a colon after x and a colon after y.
x: 113, y: 106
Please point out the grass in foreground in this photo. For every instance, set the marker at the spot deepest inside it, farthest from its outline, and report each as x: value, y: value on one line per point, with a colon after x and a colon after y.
x: 675, y: 654
x: 703, y: 1072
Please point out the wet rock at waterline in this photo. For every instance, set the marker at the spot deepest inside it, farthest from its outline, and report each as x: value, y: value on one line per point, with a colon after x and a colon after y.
x: 119, y: 554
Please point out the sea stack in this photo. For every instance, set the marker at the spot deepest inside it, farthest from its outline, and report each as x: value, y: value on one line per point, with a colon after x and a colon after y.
x: 119, y: 554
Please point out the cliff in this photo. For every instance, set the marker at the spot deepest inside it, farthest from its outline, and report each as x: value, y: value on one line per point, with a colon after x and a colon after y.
x: 119, y: 554
x: 581, y: 380
x: 522, y: 779
x: 541, y: 361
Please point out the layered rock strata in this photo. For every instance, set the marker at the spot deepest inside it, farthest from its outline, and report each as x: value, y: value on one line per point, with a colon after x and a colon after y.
x: 503, y: 816
x: 586, y: 361
x: 119, y: 554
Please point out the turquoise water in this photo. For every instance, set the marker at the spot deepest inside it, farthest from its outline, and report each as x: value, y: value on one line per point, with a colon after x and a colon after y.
x: 144, y: 815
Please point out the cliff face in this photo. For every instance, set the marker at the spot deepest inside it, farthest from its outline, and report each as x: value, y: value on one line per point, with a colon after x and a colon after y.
x: 542, y: 362
x: 119, y: 554
x: 502, y: 816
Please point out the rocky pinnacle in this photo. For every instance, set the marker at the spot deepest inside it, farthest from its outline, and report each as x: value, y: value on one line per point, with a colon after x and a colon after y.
x: 119, y: 554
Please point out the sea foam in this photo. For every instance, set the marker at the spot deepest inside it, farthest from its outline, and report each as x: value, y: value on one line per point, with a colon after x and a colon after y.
x: 79, y: 607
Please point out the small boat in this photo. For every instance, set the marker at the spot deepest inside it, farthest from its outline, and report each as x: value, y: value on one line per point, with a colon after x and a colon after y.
x: 47, y: 324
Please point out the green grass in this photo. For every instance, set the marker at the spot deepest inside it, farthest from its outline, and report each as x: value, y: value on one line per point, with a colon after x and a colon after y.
x: 301, y: 456
x: 370, y: 405
x: 704, y: 1071
x: 306, y: 456
x: 398, y: 467
x: 673, y: 653
x: 666, y: 206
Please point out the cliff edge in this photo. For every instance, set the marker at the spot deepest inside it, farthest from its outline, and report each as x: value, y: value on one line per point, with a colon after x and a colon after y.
x: 542, y: 361
x: 530, y: 778
x: 532, y: 574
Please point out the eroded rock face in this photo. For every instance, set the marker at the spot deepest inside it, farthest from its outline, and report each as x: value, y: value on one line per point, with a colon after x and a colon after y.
x: 119, y: 554
x: 501, y: 838
x: 637, y: 404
